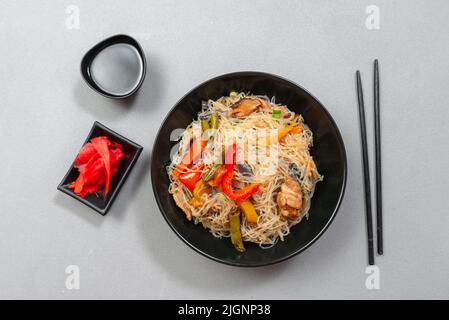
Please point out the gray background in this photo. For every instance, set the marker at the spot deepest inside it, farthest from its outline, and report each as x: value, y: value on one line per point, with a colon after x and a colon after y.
x: 46, y: 112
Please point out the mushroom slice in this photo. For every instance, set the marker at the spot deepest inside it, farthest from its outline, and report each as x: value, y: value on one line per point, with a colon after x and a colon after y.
x: 245, y: 107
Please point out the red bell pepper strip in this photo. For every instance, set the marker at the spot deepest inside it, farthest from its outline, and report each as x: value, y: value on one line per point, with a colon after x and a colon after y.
x: 195, y: 151
x: 230, y: 157
x: 236, y: 195
x: 191, y: 178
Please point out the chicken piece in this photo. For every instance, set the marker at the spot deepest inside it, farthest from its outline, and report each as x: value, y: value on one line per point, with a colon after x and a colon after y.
x: 245, y: 107
x: 289, y: 199
x: 181, y: 201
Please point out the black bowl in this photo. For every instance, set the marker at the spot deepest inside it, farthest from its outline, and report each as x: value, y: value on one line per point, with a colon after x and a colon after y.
x: 88, y: 58
x: 101, y: 202
x: 328, y: 152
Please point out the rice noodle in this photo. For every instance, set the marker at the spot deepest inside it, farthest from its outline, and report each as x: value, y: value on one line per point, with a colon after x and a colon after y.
x: 292, y: 160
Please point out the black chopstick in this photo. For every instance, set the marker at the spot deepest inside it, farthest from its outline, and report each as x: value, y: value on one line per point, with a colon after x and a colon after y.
x: 369, y: 216
x: 380, y: 245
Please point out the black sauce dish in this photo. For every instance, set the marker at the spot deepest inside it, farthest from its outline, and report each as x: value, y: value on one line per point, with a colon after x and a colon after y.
x: 101, y: 202
x: 90, y: 55
x: 328, y: 152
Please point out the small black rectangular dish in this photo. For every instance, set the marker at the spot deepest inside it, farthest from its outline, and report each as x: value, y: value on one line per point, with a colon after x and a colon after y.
x: 100, y: 202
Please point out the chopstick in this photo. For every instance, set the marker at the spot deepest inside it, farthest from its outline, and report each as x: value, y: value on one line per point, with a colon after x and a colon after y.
x: 380, y: 245
x: 369, y: 216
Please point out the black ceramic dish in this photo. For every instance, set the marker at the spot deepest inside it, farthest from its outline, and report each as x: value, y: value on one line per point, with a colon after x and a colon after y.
x: 100, y: 202
x: 328, y: 152
x: 92, y: 53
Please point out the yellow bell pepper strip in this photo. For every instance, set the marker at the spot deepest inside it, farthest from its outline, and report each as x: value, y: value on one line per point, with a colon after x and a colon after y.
x: 197, y: 188
x: 284, y: 131
x: 236, y: 235
x: 298, y: 128
x: 195, y: 202
x: 249, y: 210
x: 200, y: 189
x: 281, y: 135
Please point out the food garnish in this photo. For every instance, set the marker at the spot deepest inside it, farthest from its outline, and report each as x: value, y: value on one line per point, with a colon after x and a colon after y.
x: 97, y: 163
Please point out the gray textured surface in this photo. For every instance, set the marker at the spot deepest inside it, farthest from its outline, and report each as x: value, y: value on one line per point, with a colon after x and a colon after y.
x: 46, y: 111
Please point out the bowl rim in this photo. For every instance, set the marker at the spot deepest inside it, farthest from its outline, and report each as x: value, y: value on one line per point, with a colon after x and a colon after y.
x: 295, y: 252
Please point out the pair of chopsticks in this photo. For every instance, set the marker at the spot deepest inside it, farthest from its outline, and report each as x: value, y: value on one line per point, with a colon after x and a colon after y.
x: 366, y: 174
